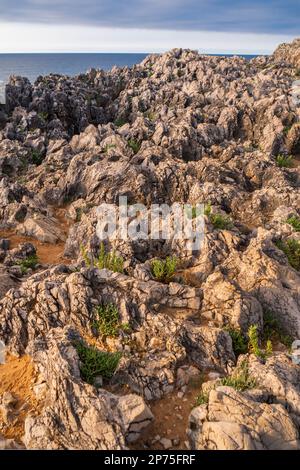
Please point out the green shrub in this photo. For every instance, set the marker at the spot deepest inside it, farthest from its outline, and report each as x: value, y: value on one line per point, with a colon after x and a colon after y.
x: 43, y: 116
x: 273, y: 330
x: 202, y: 399
x: 284, y: 161
x: 109, y: 260
x: 36, y: 157
x: 163, y: 270
x: 240, y: 379
x: 239, y: 342
x: 106, y: 260
x: 219, y: 221
x: 291, y: 248
x: 94, y: 363
x: 134, y: 145
x: 294, y: 221
x: 254, y: 344
x: 119, y: 122
x: 28, y: 263
x: 107, y: 320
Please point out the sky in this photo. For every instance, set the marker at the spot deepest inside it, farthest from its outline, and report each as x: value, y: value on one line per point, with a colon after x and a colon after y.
x: 216, y: 26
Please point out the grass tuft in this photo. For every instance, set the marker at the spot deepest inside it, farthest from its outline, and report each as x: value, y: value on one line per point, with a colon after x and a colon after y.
x: 107, y: 321
x: 163, y: 270
x: 284, y: 161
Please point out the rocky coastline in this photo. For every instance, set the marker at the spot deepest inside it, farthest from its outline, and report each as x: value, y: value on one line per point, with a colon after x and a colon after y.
x: 109, y: 354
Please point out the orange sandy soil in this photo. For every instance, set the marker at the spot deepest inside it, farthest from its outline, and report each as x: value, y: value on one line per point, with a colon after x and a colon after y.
x: 46, y: 252
x: 18, y: 376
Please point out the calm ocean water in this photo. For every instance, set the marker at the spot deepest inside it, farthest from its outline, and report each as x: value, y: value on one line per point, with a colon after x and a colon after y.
x: 33, y: 65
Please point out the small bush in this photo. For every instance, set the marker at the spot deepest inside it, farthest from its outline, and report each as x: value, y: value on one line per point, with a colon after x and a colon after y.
x: 163, y: 270
x: 219, y: 221
x: 202, y: 399
x: 239, y: 342
x: 107, y: 320
x: 119, y: 122
x: 134, y: 145
x: 294, y: 221
x: 94, y: 363
x: 291, y: 248
x: 109, y: 260
x: 240, y: 380
x: 43, y: 116
x: 36, y: 157
x: 106, y: 260
x: 28, y: 263
x: 109, y: 147
x: 254, y: 344
x: 284, y: 161
x: 273, y: 330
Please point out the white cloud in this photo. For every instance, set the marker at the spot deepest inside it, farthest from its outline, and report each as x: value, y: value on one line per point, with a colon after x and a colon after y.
x: 18, y: 37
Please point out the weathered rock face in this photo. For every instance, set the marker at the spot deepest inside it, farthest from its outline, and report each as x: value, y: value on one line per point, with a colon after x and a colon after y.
x: 240, y: 423
x: 179, y: 127
x: 262, y: 418
x: 87, y: 419
x: 288, y: 53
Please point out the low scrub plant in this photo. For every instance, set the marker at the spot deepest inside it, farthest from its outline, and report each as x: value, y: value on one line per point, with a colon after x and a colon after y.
x: 107, y: 320
x: 294, y: 221
x: 239, y: 342
x: 219, y: 221
x: 291, y: 248
x: 134, y: 145
x: 163, y: 270
x: 119, y: 122
x: 28, y: 263
x: 274, y: 331
x: 36, y: 157
x: 202, y: 399
x: 109, y: 260
x: 106, y: 259
x: 94, y: 362
x: 254, y: 344
x: 240, y: 379
x: 284, y: 161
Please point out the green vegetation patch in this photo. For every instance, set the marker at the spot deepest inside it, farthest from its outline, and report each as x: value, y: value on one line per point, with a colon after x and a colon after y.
x: 107, y: 320
x: 28, y: 263
x: 294, y: 221
x: 291, y: 248
x: 94, y: 362
x: 240, y: 379
x: 163, y: 270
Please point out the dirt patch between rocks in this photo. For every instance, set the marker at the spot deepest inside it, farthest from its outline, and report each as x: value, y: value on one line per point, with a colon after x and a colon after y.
x: 47, y: 253
x: 170, y: 422
x: 18, y: 377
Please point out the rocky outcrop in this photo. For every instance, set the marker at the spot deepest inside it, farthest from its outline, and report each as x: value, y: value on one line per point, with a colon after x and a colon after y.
x: 262, y: 418
x: 87, y: 419
x: 178, y: 128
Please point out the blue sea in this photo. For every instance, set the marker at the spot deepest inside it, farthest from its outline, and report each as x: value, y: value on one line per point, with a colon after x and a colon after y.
x: 33, y: 65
